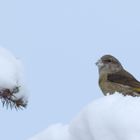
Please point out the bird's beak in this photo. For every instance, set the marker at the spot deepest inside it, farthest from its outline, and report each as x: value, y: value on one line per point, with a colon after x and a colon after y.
x: 99, y: 63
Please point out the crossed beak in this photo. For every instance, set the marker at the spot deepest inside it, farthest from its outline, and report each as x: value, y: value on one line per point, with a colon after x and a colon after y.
x: 99, y: 63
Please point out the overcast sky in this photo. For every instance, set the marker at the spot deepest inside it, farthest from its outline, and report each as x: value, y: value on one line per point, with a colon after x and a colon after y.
x: 59, y: 42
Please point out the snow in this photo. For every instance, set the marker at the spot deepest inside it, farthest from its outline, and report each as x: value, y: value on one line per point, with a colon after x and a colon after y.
x: 114, y: 117
x: 11, y: 78
x: 54, y: 132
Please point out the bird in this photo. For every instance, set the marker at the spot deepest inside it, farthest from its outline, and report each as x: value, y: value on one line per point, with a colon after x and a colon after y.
x: 114, y: 78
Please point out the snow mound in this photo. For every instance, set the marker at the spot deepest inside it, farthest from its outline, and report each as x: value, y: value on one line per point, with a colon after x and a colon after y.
x: 114, y: 117
x: 12, y: 87
x: 54, y: 132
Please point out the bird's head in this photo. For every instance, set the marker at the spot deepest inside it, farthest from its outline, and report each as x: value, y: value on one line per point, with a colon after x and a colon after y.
x: 108, y: 64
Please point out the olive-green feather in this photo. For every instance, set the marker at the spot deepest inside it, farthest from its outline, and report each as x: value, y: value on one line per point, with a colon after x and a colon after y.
x: 124, y: 78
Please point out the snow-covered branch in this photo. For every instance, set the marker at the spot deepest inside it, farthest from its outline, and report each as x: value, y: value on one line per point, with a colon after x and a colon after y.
x: 12, y: 87
x: 114, y: 117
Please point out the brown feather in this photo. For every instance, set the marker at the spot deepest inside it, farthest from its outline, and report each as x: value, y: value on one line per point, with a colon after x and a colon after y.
x: 125, y: 78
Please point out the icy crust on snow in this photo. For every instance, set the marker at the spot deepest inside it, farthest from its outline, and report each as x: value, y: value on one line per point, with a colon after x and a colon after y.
x: 114, y: 117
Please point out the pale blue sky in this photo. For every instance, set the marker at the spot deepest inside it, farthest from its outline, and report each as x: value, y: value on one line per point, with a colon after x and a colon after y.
x: 59, y: 41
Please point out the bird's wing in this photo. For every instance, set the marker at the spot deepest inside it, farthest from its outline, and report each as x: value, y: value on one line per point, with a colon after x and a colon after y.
x: 125, y: 78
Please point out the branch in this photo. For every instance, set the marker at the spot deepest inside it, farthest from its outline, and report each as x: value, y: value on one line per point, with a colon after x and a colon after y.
x: 9, y: 99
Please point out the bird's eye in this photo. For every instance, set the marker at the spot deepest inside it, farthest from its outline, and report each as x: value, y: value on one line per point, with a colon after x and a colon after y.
x: 108, y: 61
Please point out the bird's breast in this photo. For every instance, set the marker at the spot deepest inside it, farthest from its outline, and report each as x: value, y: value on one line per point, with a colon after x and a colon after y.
x: 111, y: 87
